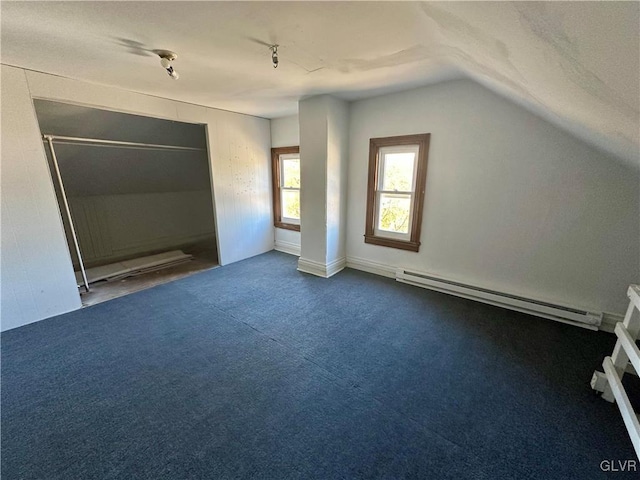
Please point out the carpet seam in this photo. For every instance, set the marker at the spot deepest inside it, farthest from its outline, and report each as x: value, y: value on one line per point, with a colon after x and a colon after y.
x: 331, y: 376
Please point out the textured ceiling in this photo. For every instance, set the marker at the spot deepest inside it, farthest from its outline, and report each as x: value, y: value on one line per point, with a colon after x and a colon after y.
x: 574, y: 63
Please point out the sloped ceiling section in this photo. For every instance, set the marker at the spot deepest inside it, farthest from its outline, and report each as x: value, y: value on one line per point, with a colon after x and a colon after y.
x: 111, y: 170
x: 574, y: 63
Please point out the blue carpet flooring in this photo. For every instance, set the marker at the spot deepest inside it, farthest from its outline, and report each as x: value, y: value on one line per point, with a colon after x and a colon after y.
x: 255, y: 370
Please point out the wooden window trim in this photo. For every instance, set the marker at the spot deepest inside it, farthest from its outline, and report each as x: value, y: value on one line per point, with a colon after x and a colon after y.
x: 422, y: 140
x: 275, y: 176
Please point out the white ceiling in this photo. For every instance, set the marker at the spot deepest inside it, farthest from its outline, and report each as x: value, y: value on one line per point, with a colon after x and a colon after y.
x: 574, y: 63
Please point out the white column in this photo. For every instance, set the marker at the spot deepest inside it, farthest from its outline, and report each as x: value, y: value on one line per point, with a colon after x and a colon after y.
x: 324, y: 152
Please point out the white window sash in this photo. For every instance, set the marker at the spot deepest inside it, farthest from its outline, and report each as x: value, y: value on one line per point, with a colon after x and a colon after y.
x: 293, y: 221
x: 379, y: 192
x: 283, y: 189
x: 378, y: 232
x: 286, y: 156
x: 399, y: 149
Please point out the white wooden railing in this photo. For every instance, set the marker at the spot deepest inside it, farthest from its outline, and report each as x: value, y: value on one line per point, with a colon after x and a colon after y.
x: 626, y: 356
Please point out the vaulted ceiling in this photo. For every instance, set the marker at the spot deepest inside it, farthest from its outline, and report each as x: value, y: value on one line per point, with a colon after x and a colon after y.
x: 574, y: 63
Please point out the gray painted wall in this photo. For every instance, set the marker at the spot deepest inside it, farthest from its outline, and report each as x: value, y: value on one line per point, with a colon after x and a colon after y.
x: 130, y: 201
x: 57, y: 118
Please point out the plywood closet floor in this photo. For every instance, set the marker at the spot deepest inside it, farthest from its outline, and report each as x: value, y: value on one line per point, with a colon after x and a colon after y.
x: 103, y: 291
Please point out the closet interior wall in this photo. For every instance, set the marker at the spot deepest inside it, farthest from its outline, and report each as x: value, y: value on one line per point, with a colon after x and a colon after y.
x: 129, y: 201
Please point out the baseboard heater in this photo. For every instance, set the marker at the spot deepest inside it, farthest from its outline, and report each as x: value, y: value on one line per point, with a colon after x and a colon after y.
x: 560, y: 313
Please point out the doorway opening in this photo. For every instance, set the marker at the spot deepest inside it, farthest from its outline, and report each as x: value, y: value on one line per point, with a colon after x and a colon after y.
x: 135, y: 197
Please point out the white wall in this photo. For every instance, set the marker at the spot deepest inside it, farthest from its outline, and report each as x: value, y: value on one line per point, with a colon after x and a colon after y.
x: 285, y: 132
x: 37, y: 277
x: 512, y: 203
x: 337, y: 163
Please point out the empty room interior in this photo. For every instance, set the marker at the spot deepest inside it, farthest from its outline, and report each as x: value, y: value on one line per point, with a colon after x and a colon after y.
x: 328, y: 240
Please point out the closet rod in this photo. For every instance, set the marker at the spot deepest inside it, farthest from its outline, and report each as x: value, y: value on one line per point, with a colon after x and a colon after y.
x: 68, y: 212
x: 97, y: 141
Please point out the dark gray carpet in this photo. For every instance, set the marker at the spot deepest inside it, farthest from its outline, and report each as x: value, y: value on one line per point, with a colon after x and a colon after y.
x: 255, y: 370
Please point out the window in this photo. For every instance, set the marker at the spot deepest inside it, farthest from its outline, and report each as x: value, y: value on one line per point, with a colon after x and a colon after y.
x: 286, y: 187
x: 395, y: 196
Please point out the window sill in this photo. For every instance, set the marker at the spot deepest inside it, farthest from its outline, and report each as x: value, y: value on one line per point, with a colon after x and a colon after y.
x: 288, y: 226
x: 392, y: 243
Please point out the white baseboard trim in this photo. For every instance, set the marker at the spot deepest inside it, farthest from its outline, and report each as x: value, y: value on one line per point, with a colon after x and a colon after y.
x: 609, y: 321
x: 314, y: 268
x: 336, y: 266
x: 287, y: 247
x: 320, y: 269
x: 371, y: 267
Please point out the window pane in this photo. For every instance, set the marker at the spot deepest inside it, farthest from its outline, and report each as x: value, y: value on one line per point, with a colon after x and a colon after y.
x: 398, y: 171
x: 394, y: 213
x: 291, y: 172
x: 291, y: 204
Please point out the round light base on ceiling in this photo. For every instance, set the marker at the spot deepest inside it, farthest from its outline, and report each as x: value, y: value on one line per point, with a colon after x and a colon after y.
x: 168, y: 54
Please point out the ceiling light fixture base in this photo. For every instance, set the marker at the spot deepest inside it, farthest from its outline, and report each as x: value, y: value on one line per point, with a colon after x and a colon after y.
x: 168, y: 54
x: 274, y: 55
x: 166, y: 57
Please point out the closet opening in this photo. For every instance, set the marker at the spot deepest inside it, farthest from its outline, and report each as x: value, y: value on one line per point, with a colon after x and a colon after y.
x: 135, y: 197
